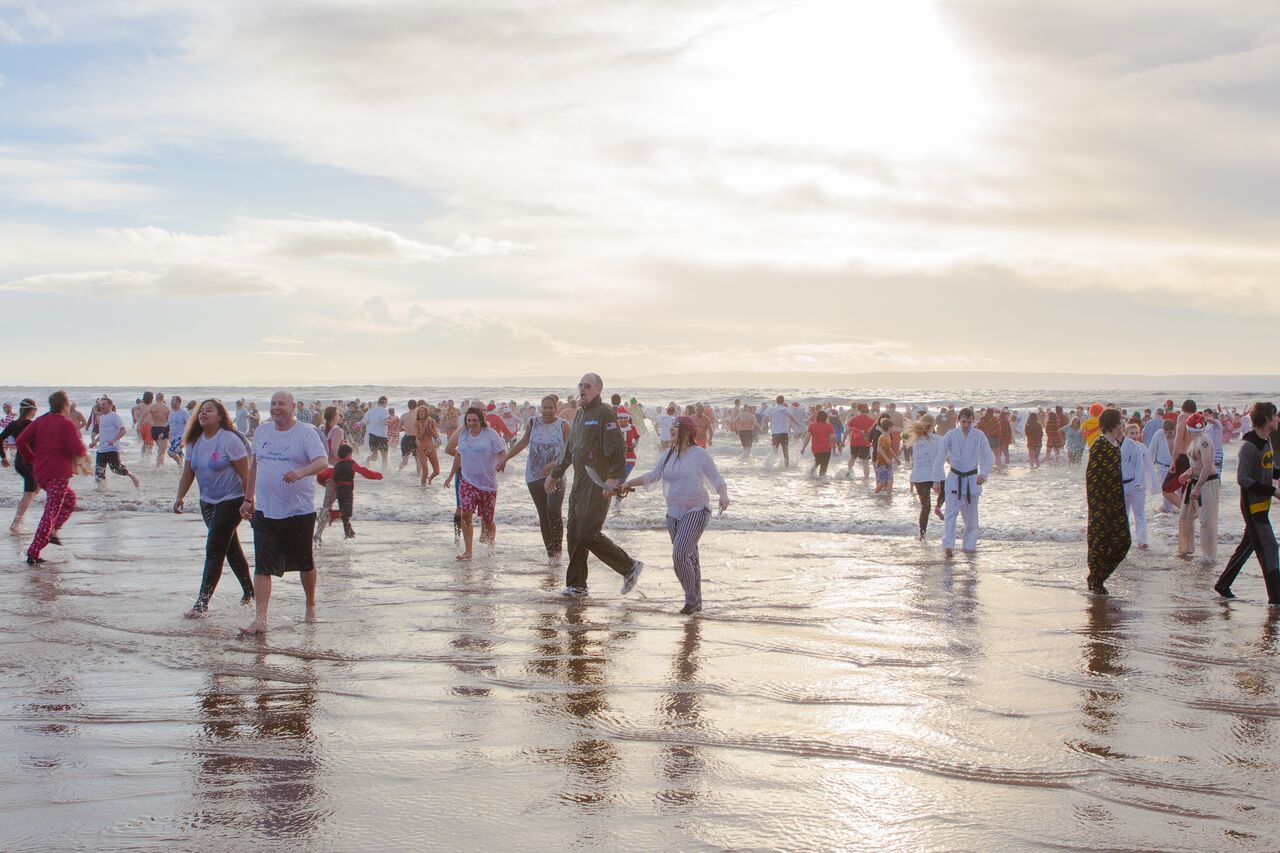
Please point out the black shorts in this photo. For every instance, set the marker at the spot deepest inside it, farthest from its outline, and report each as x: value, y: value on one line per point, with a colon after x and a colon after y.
x: 28, y: 476
x: 747, y: 437
x: 781, y: 439
x: 408, y: 444
x: 377, y: 442
x: 158, y: 433
x: 108, y: 459
x: 862, y: 452
x: 283, y: 544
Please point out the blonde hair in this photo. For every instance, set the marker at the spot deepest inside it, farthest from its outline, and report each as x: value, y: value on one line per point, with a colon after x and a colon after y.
x: 914, y: 430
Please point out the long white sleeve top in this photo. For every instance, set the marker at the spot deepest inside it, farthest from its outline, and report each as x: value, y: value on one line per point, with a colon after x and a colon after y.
x: 1136, y: 469
x: 927, y: 457
x: 684, y: 477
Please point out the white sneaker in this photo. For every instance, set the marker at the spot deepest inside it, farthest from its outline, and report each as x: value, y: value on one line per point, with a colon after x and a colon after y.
x: 630, y: 582
x: 574, y: 592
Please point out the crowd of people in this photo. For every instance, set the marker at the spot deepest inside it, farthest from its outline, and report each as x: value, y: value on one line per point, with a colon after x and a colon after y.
x: 267, y: 474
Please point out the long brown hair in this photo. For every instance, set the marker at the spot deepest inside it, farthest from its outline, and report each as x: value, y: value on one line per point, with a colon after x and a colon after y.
x: 194, y: 430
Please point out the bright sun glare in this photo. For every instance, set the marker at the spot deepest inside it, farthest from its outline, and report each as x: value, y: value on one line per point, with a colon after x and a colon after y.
x: 884, y: 78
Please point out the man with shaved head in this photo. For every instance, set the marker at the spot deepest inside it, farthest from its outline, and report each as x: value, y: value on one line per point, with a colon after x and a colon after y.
x: 279, y: 500
x: 595, y: 447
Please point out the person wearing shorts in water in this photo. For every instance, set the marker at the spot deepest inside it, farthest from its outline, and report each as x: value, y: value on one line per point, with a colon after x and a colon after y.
x: 280, y: 503
x: 409, y: 435
x: 111, y: 430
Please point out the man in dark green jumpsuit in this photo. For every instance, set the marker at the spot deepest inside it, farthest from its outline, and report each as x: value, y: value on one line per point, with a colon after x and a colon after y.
x: 595, y: 442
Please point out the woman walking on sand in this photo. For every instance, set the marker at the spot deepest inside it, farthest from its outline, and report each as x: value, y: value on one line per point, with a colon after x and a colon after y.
x: 927, y: 470
x: 217, y: 458
x: 479, y: 455
x: 684, y: 470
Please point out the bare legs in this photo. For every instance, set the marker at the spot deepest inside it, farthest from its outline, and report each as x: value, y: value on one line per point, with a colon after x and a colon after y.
x: 488, y: 534
x: 23, y: 506
x: 262, y: 600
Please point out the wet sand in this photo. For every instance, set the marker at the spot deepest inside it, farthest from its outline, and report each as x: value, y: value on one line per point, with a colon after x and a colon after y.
x: 849, y: 692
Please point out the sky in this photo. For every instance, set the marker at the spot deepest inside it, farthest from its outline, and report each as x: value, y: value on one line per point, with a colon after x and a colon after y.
x: 332, y: 192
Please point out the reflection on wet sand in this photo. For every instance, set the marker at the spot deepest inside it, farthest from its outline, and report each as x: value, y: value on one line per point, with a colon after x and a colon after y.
x: 258, y: 760
x: 1103, y: 699
x: 825, y: 700
x: 575, y: 652
x: 681, y: 707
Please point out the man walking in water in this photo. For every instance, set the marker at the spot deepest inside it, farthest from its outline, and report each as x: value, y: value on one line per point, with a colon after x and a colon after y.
x: 780, y: 423
x: 375, y: 421
x: 1256, y: 475
x: 970, y: 455
x: 286, y: 457
x: 158, y: 413
x: 596, y: 446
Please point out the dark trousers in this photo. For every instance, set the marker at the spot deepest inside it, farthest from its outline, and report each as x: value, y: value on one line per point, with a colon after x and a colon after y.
x: 346, y: 499
x: 222, y: 543
x: 925, y: 491
x: 1258, y: 539
x: 550, y: 516
x: 587, y: 512
x: 821, y: 461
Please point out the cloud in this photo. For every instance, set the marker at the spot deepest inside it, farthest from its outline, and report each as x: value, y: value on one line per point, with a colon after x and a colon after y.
x: 286, y: 353
x: 22, y: 22
x: 70, y: 177
x: 282, y: 341
x: 178, y: 281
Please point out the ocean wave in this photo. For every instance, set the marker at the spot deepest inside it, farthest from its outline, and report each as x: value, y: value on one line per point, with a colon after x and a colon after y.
x: 518, y: 513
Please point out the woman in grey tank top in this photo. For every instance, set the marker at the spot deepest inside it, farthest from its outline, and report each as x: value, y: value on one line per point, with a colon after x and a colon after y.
x: 546, y: 437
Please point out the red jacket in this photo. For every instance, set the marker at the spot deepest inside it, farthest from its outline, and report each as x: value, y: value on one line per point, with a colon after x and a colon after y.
x: 50, y: 443
x: 496, y: 422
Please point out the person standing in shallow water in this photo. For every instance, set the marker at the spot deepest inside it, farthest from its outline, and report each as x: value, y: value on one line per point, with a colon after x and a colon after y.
x: 52, y: 443
x: 217, y: 458
x: 1256, y: 475
x: 1108, y: 525
x: 280, y: 501
x: 595, y: 443
x: 21, y: 465
x: 684, y: 470
x: 970, y: 458
x: 546, y: 437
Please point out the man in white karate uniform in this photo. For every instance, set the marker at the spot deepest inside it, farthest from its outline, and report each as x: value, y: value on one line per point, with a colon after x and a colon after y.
x: 1139, y: 477
x: 969, y: 454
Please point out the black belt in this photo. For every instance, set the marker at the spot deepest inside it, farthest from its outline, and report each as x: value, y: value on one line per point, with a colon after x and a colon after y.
x: 1130, y: 480
x: 962, y: 476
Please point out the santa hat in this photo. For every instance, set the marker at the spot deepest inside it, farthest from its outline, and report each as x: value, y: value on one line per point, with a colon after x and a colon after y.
x: 1195, y: 423
x: 623, y: 413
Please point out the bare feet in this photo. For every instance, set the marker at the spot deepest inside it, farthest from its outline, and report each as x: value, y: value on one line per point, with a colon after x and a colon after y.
x: 257, y: 626
x: 465, y: 555
x: 310, y: 616
x: 196, y: 612
x: 948, y: 553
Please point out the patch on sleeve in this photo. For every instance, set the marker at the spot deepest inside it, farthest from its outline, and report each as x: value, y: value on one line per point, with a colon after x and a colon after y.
x: 611, y: 425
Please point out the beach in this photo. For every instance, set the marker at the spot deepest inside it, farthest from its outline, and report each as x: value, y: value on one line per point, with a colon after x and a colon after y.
x: 842, y: 689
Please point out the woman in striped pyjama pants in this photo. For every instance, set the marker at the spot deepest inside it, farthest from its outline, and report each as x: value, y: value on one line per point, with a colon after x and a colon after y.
x: 684, y: 471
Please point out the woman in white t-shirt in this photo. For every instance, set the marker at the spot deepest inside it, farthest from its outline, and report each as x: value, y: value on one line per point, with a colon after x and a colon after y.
x: 684, y: 471
x: 217, y: 457
x: 479, y: 454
